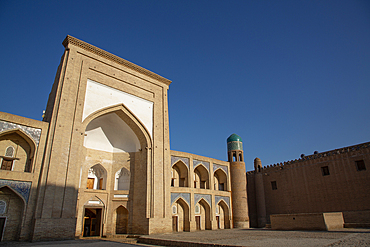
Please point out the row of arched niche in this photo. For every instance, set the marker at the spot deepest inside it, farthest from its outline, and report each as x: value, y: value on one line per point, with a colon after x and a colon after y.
x: 180, y: 177
x: 202, y: 216
x: 97, y: 178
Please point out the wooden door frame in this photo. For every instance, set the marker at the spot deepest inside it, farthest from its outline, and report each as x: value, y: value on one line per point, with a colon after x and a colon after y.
x: 101, y: 219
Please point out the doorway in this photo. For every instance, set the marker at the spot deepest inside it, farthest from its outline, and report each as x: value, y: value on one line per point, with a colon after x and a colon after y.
x: 174, y: 224
x: 121, y: 220
x: 92, y: 222
x: 197, y: 222
x: 2, y: 227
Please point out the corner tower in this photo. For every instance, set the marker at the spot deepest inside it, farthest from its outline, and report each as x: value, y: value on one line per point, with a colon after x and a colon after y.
x: 238, y: 181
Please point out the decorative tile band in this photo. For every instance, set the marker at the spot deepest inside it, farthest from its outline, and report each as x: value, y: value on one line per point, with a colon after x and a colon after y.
x: 23, y: 188
x: 198, y: 197
x: 32, y: 132
x: 197, y: 162
x: 234, y: 146
x: 225, y: 168
x: 174, y: 159
x: 225, y: 198
x: 185, y: 196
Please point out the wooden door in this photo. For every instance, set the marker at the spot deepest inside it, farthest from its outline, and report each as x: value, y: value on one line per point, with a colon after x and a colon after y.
x: 218, y: 222
x: 174, y: 224
x: 6, y: 164
x: 197, y: 221
x: 100, y: 184
x: 90, y: 183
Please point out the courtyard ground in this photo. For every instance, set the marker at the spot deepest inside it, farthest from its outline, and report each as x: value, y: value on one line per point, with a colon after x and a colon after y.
x: 229, y: 237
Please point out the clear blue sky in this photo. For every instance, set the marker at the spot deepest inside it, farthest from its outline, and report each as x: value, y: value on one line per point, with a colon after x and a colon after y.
x: 289, y: 77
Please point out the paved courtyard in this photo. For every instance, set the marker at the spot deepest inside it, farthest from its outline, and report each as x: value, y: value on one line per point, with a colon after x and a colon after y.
x: 230, y: 237
x: 266, y: 237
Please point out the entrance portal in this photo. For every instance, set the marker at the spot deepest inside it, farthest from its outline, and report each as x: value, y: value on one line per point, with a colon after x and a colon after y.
x: 92, y: 222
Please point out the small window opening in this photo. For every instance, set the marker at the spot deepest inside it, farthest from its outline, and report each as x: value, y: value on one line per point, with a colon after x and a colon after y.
x: 234, y: 157
x: 273, y: 185
x: 9, y: 152
x: 360, y: 165
x: 325, y: 170
x: 221, y: 187
x: 241, y: 157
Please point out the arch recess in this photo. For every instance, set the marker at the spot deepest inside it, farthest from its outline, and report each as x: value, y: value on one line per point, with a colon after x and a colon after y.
x: 205, y: 215
x: 129, y: 118
x: 181, y: 219
x: 23, y: 135
x: 97, y: 177
x: 220, y: 180
x: 122, y: 179
x: 201, y: 177
x: 180, y: 175
x: 224, y: 215
x: 15, y: 192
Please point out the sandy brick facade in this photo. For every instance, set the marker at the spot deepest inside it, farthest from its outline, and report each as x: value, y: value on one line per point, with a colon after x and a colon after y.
x: 100, y: 164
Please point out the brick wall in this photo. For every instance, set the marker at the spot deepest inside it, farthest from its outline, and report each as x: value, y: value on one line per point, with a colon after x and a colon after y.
x: 301, y: 186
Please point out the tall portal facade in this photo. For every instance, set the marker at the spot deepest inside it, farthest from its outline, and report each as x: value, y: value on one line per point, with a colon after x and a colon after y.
x: 108, y: 141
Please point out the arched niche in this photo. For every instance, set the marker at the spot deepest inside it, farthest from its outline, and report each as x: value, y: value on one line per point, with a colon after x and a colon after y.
x: 179, y: 175
x: 223, y: 213
x: 23, y: 146
x: 97, y: 178
x: 201, y: 177
x: 180, y: 216
x: 220, y: 180
x: 203, y: 216
x: 110, y: 133
x: 122, y: 179
x: 13, y: 213
x: 120, y: 118
x: 122, y: 216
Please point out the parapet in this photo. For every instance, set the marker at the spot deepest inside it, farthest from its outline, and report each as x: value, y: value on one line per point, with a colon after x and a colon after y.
x: 316, y: 155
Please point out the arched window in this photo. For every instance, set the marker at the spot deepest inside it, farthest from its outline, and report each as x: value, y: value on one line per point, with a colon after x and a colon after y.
x: 9, y: 151
x: 122, y: 179
x: 96, y: 178
x: 2, y: 207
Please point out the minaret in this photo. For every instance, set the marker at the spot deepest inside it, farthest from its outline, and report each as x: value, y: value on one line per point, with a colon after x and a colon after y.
x: 238, y: 181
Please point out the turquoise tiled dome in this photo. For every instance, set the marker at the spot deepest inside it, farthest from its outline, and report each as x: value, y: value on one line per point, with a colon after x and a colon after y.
x: 234, y: 142
x: 234, y: 138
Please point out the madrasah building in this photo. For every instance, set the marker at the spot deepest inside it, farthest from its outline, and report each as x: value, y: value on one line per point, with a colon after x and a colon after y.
x: 100, y: 164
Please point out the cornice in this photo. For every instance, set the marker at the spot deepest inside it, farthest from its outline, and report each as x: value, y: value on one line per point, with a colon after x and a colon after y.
x: 93, y: 49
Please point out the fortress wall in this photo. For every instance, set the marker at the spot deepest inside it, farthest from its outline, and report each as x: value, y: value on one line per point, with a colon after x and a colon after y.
x: 302, y: 187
